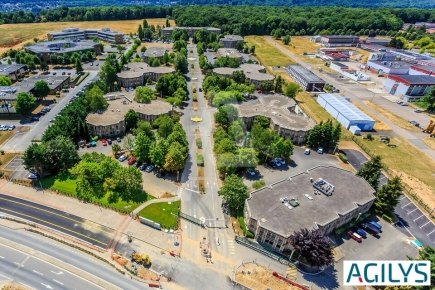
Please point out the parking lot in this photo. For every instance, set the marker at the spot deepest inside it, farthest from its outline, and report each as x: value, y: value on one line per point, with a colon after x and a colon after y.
x: 16, y: 165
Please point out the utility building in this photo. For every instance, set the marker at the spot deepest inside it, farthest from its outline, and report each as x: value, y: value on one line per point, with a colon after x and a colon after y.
x: 344, y: 112
x: 305, y: 78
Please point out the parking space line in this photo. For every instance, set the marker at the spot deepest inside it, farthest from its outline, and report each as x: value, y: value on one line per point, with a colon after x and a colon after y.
x: 403, y: 198
x: 419, y: 217
x: 413, y: 210
x: 425, y: 224
x: 430, y: 233
x: 406, y: 204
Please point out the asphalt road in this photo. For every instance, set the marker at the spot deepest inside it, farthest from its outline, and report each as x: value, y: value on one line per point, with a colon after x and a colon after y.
x: 67, y: 255
x: 20, y: 141
x: 38, y: 274
x: 411, y: 219
x: 69, y: 224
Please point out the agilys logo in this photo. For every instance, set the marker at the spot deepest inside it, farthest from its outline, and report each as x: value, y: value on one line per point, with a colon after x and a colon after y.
x: 384, y: 273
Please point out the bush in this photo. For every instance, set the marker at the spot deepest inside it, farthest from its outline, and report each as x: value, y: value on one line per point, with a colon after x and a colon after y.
x: 259, y: 184
x: 343, y: 157
x: 2, y: 152
x: 199, y: 143
x: 194, y: 90
x: 369, y: 136
x: 242, y: 224
x: 95, y: 138
x: 387, y: 218
x: 195, y: 98
x: 250, y: 234
x: 199, y: 160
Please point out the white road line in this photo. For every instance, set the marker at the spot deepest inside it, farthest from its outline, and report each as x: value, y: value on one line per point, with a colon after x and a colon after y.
x: 413, y: 210
x: 58, y: 282
x: 430, y: 233
x: 402, y: 198
x: 425, y: 224
x: 419, y: 217
x: 2, y: 257
x: 16, y: 263
x: 406, y: 204
x: 38, y: 272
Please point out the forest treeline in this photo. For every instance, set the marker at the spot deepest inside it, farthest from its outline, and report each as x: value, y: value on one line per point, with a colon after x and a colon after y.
x: 245, y: 20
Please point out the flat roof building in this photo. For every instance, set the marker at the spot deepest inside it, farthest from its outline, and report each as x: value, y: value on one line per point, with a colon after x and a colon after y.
x: 135, y: 74
x: 396, y: 67
x: 230, y: 52
x: 344, y: 112
x: 230, y: 41
x: 13, y: 71
x: 156, y: 52
x: 45, y: 48
x: 254, y: 73
x: 280, y: 110
x: 376, y: 41
x: 167, y: 31
x: 305, y: 78
x: 110, y: 122
x: 323, y: 197
x: 77, y: 34
x: 419, y: 69
x: 409, y: 87
x: 339, y: 40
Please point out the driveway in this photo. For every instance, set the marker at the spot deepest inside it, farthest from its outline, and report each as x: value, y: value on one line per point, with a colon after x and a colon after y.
x: 211, y: 56
x: 412, y: 221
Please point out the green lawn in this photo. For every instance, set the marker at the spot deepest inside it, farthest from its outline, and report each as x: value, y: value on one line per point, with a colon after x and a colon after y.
x: 67, y: 184
x: 161, y: 213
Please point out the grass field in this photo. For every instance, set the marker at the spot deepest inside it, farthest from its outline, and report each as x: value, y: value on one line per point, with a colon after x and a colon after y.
x: 16, y: 35
x: 379, y: 125
x: 66, y: 183
x: 161, y: 213
x: 430, y: 142
x: 5, y: 135
x: 300, y: 44
x: 413, y: 164
x: 393, y: 117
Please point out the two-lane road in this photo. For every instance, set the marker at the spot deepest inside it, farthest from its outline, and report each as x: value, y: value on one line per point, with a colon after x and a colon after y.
x: 32, y: 272
x: 69, y: 224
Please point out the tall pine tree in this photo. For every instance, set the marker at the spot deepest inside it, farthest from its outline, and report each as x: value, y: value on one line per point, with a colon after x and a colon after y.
x: 388, y: 195
x: 371, y: 171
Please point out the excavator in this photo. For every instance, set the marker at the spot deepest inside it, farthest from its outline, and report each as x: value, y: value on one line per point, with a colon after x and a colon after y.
x: 143, y: 259
x: 430, y: 128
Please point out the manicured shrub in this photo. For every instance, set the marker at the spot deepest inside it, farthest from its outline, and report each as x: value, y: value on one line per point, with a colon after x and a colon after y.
x: 343, y: 157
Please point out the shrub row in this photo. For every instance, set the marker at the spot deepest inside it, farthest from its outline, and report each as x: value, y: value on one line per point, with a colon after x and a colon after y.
x: 82, y: 79
x: 387, y: 218
x: 199, y: 160
x: 343, y: 157
x: 199, y: 143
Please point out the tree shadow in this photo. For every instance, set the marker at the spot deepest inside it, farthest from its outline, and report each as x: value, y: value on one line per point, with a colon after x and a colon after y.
x: 327, y: 279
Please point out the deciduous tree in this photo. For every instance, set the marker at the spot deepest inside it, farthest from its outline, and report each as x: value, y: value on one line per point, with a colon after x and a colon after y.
x: 24, y: 103
x: 94, y: 99
x: 34, y: 159
x: 313, y: 246
x: 175, y: 159
x: 142, y: 148
x: 387, y: 197
x: 371, y: 171
x: 292, y: 89
x: 226, y: 163
x: 143, y: 95
x: 234, y: 191
x: 131, y: 119
x: 41, y: 89
x: 5, y: 81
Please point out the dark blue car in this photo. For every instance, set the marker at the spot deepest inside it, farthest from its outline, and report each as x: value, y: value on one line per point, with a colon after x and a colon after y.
x: 362, y: 233
x: 376, y: 224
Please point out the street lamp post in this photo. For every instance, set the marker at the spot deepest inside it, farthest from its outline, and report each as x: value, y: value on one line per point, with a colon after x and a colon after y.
x: 359, y: 215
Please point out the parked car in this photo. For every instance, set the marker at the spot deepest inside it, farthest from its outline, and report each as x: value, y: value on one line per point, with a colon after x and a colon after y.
x: 271, y: 163
x: 11, y: 127
x: 54, y: 73
x: 137, y: 163
x: 117, y: 155
x: 69, y: 73
x: 35, y: 118
x: 118, y: 139
x: 259, y: 91
x: 404, y: 104
x: 200, y: 89
x: 320, y: 150
x: 63, y: 73
x: 142, y: 167
x: 399, y: 102
x: 280, y: 160
x: 417, y: 111
x: 361, y: 232
x: 277, y: 163
x: 33, y: 176
x: 250, y: 172
x: 414, y: 123
x: 307, y: 151
x: 109, y: 141
x: 376, y: 225
x: 131, y: 161
x: 123, y: 158
x: 149, y: 168
x: 370, y: 228
x: 355, y: 236
x: 104, y: 142
x: 97, y: 64
x: 92, y: 64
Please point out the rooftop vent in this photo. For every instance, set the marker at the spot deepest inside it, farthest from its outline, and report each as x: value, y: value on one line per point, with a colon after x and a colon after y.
x: 324, y: 186
x: 263, y: 220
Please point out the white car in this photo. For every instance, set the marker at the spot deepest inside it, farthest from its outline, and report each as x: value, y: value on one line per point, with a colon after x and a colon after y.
x: 307, y: 151
x: 250, y: 172
x: 320, y: 150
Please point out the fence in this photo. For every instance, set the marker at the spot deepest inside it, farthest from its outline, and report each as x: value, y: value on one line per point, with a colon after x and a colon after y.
x: 150, y: 223
x: 189, y: 218
x: 390, y: 174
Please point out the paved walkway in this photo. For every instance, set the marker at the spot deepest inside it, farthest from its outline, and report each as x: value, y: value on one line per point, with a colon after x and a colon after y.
x: 147, y: 203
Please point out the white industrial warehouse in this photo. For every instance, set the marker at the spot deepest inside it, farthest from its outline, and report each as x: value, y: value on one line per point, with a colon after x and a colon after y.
x: 344, y: 112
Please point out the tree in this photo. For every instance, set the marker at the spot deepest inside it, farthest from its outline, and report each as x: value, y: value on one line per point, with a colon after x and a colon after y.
x: 313, y: 246
x: 90, y: 179
x: 108, y: 73
x: 235, y: 131
x: 226, y: 163
x: 429, y: 99
x: 142, y: 147
x: 166, y: 58
x: 181, y: 94
x: 371, y: 171
x: 247, y: 158
x: 41, y: 89
x: 5, y: 81
x: 31, y: 65
x: 144, y: 127
x: 262, y: 121
x: 143, y: 49
x: 292, y: 89
x: 9, y: 61
x: 239, y: 45
x: 219, y: 134
x: 43, y: 66
x: 426, y: 254
x: 128, y: 184
x: 131, y: 119
x: 279, y: 82
x: 180, y: 63
x: 24, y: 103
x: 115, y: 148
x: 143, y: 95
x: 234, y: 191
x: 61, y: 154
x: 158, y: 152
x: 175, y: 159
x: 94, y: 99
x: 78, y: 66
x: 238, y: 76
x: 35, y: 39
x: 34, y: 159
x: 225, y: 146
x: 140, y: 33
x: 224, y: 97
x: 267, y: 86
x: 226, y: 115
x: 286, y: 40
x: 387, y: 197
x: 165, y: 125
x: 252, y: 49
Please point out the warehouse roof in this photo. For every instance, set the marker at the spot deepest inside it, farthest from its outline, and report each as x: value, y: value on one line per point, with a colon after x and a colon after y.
x: 61, y: 46
x: 7, y: 69
x: 390, y: 64
x: 414, y: 79
x: 233, y: 38
x: 345, y: 107
x: 304, y: 73
x: 155, y: 51
x: 427, y: 69
x: 251, y: 71
x: 350, y: 192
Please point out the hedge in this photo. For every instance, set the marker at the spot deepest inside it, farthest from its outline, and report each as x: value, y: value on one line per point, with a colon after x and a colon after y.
x: 387, y: 218
x: 250, y: 234
x: 199, y: 143
x: 343, y: 157
x: 199, y: 160
x: 82, y: 79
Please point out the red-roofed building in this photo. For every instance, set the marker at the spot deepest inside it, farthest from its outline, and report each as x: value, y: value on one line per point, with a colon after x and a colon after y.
x: 338, y: 57
x: 422, y: 70
x: 430, y: 30
x: 409, y: 87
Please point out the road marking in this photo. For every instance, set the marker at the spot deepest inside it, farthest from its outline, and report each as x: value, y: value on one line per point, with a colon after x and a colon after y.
x: 406, y: 204
x: 60, y: 272
x: 430, y: 233
x: 105, y: 244
x: 2, y: 257
x: 38, y: 208
x: 47, y: 286
x: 16, y: 263
x: 403, y: 198
x: 58, y: 282
x: 38, y: 272
x: 413, y: 210
x: 425, y: 224
x: 419, y: 217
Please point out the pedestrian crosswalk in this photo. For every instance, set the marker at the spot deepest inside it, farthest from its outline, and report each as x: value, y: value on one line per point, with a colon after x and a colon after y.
x: 180, y: 191
x: 291, y: 273
x: 231, y: 247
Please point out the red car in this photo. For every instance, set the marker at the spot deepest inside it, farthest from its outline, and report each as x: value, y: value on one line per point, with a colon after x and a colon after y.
x: 104, y: 142
x: 259, y: 91
x: 355, y: 236
x: 131, y: 161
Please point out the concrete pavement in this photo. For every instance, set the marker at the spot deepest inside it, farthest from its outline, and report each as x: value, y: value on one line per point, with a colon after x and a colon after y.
x: 357, y: 93
x: 20, y: 141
